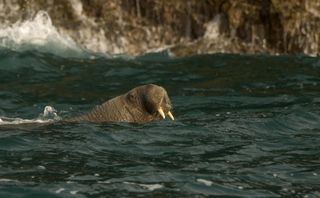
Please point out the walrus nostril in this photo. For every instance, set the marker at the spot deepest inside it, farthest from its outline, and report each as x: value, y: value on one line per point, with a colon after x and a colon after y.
x: 168, y: 106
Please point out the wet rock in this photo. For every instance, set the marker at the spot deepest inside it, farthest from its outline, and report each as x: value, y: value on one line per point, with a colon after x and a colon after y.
x: 185, y: 27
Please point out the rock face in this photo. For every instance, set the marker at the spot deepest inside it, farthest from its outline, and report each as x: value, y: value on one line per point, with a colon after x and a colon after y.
x: 184, y: 27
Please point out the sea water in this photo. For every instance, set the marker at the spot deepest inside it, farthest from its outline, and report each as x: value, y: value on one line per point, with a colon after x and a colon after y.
x: 246, y: 125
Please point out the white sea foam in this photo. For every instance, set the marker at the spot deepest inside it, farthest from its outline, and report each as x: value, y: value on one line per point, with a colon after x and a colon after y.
x: 49, y: 115
x: 205, y: 182
x: 150, y: 187
x: 7, y: 180
x: 59, y: 190
x: 14, y: 121
x: 40, y: 34
x: 73, y: 192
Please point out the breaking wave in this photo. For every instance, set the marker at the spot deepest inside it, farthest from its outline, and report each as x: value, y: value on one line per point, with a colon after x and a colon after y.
x: 39, y: 34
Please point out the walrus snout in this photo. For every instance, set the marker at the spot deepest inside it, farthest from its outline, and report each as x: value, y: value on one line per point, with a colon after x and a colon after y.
x: 157, y: 100
x: 165, y: 108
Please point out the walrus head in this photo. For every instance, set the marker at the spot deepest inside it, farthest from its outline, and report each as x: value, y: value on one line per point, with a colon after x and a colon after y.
x: 152, y: 100
x: 142, y: 104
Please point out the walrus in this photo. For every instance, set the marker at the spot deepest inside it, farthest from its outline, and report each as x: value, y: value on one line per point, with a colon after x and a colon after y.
x: 142, y: 104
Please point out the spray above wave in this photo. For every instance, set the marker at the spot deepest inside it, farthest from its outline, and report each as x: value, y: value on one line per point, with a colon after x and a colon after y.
x: 39, y: 34
x: 49, y: 115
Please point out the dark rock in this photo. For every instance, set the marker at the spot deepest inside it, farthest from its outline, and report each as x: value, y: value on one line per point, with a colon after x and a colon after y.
x: 185, y: 27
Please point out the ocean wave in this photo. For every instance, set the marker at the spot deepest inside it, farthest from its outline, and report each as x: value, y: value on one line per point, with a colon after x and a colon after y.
x: 38, y: 33
x: 49, y: 115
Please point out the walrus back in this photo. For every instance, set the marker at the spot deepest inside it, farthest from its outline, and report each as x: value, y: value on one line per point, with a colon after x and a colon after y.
x: 110, y: 111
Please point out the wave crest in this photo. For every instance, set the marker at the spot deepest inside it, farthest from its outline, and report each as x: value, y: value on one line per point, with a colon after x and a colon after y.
x: 40, y: 34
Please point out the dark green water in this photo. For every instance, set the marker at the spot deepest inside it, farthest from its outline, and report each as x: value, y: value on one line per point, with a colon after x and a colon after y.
x: 246, y: 126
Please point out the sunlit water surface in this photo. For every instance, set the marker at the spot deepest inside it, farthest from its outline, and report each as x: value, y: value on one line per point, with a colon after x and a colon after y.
x: 246, y: 126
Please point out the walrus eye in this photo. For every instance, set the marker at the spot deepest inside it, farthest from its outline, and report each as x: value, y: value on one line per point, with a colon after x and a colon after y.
x: 131, y: 97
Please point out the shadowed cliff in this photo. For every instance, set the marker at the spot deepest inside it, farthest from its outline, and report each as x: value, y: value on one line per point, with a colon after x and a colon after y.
x: 185, y: 27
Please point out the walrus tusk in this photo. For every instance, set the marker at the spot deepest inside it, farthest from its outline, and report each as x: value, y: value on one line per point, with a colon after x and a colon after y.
x: 170, y: 115
x: 161, y: 113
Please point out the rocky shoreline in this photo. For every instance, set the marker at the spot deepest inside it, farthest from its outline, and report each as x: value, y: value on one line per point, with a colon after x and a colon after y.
x: 135, y: 27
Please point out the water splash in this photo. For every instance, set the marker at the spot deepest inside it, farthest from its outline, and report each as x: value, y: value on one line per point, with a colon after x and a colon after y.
x: 213, y: 28
x: 40, y: 34
x: 49, y: 115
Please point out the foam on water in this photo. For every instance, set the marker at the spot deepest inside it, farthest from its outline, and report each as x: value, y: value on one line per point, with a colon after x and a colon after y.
x: 49, y: 115
x: 38, y: 33
x: 149, y: 187
x: 205, y: 182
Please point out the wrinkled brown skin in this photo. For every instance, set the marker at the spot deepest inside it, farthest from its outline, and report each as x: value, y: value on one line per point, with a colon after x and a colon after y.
x: 139, y: 105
